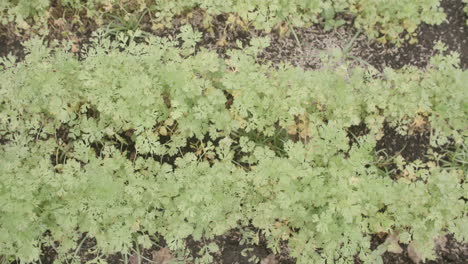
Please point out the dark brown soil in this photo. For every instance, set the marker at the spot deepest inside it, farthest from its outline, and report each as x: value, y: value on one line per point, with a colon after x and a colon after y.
x: 65, y: 28
x: 354, y: 132
x: 48, y: 255
x: 10, y: 44
x: 232, y: 251
x: 412, y: 146
x: 453, y: 32
x: 220, y: 36
x: 452, y: 252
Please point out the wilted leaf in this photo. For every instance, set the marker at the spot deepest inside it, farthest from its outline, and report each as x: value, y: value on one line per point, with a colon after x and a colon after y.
x: 60, y: 22
x: 393, y: 245
x: 413, y: 254
x: 419, y: 122
x: 75, y: 48
x: 270, y: 259
x: 440, y: 242
x: 133, y: 259
x: 222, y: 41
x: 162, y: 256
x: 163, y: 131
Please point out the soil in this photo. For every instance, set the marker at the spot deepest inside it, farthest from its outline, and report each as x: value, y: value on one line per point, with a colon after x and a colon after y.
x: 10, y: 44
x: 313, y: 40
x: 453, y: 32
x: 452, y: 252
x: 232, y: 251
x: 298, y: 46
x: 412, y: 146
x: 301, y: 47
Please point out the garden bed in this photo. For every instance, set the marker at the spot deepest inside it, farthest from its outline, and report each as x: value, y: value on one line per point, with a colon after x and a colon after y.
x: 310, y: 48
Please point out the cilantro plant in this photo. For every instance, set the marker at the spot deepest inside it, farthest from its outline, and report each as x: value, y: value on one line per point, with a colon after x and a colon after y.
x: 385, y: 20
x: 137, y: 139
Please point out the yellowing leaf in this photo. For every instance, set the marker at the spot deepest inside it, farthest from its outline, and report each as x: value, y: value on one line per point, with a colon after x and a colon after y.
x: 413, y: 253
x: 270, y: 259
x: 162, y: 256
x: 222, y: 41
x: 393, y: 244
x: 163, y: 131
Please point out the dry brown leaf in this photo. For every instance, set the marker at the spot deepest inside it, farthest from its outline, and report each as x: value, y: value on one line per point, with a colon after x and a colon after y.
x: 222, y: 41
x: 419, y: 122
x: 61, y: 22
x: 301, y: 127
x: 440, y: 242
x: 283, y: 30
x: 393, y: 245
x: 133, y: 259
x: 270, y: 259
x: 157, y: 26
x: 381, y: 234
x: 413, y: 254
x: 162, y: 256
x: 292, y: 130
x: 163, y: 131
x: 75, y: 48
x: 108, y: 7
x: 169, y: 122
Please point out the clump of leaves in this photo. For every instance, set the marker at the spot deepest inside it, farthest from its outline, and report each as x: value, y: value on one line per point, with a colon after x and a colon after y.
x: 102, y: 146
x: 394, y: 21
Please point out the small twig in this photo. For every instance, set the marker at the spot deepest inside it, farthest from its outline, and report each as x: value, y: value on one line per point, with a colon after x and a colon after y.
x: 361, y: 61
x: 78, y: 248
x: 143, y: 257
x: 294, y: 34
x: 138, y: 250
x: 297, y: 39
x: 350, y: 44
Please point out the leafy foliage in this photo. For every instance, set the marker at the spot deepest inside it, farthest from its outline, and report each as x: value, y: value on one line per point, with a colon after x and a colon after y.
x: 385, y: 20
x: 139, y: 139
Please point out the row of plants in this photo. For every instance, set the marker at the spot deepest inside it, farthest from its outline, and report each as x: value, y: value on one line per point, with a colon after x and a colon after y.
x: 385, y: 20
x: 159, y: 139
